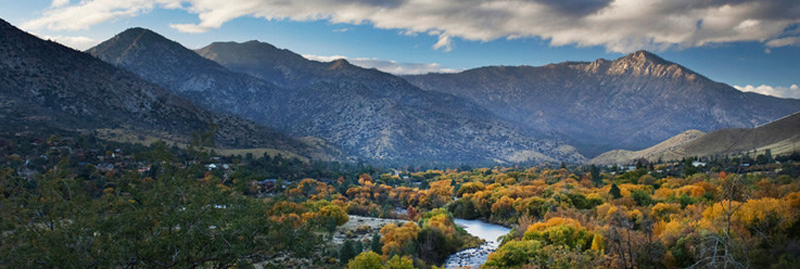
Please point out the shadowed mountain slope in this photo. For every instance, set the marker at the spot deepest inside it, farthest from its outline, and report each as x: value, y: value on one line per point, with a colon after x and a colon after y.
x: 46, y: 85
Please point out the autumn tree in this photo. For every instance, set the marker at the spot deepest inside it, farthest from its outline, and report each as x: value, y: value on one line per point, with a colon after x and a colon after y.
x: 366, y: 260
x: 440, y: 193
x: 732, y: 197
x: 399, y: 240
x: 398, y: 262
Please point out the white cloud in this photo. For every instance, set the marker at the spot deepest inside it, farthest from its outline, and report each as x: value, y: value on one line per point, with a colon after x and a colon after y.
x: 388, y: 66
x: 76, y: 42
x: 58, y: 3
x: 87, y: 13
x: 783, y: 92
x: 323, y: 58
x: 619, y: 25
x: 444, y: 43
x: 786, y: 41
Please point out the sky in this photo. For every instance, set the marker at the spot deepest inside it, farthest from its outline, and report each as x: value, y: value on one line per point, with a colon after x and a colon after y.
x: 752, y: 45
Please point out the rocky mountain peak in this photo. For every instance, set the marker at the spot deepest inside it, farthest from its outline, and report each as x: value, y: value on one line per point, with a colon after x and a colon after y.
x: 645, y: 57
x: 645, y: 63
x: 339, y: 64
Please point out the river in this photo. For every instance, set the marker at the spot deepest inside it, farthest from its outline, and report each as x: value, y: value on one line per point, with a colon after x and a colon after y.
x: 475, y: 257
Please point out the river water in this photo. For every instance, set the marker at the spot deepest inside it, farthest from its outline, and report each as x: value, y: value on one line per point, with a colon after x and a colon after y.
x: 475, y: 257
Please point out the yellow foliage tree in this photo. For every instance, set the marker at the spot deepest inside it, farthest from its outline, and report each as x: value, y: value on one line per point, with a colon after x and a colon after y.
x: 395, y: 238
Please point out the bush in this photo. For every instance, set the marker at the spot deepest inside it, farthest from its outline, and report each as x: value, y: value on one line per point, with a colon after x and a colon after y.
x: 642, y: 197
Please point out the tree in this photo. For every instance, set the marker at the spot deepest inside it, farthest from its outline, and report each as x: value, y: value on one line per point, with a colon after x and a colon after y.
x: 513, y: 254
x: 642, y: 197
x: 366, y: 260
x: 398, y: 262
x: 594, y: 173
x: 336, y: 213
x: 503, y: 208
x: 375, y: 243
x: 396, y: 240
x: 615, y: 192
x: 440, y: 193
x: 560, y: 231
x: 731, y: 201
x: 348, y: 251
x: 688, y: 167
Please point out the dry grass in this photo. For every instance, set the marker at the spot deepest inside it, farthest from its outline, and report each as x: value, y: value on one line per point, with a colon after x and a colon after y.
x: 127, y: 136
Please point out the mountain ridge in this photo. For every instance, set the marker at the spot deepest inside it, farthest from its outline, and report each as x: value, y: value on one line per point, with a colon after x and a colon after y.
x: 46, y: 85
x: 366, y: 112
x: 632, y: 102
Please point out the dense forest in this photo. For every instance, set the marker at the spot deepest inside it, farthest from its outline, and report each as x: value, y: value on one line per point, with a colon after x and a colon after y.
x: 73, y: 201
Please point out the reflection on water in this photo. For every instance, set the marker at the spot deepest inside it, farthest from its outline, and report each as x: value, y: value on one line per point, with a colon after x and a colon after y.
x: 475, y: 257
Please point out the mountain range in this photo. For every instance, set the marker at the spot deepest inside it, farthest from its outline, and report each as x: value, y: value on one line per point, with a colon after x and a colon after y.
x: 255, y: 95
x: 632, y: 102
x: 369, y: 114
x: 44, y: 85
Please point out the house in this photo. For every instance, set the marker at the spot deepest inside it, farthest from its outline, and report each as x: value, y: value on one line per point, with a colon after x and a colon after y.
x: 144, y: 169
x: 698, y: 163
x: 267, y: 184
x: 104, y: 167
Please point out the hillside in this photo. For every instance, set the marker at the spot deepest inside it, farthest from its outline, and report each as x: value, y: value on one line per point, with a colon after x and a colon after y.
x: 780, y: 137
x: 44, y: 85
x: 630, y: 103
x: 664, y: 150
x: 367, y: 113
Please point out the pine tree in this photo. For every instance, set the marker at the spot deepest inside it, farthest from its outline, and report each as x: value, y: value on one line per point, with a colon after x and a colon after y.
x: 615, y: 191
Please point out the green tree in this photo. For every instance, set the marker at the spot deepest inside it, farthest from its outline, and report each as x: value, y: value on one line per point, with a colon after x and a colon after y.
x: 375, y: 243
x: 594, y: 174
x: 642, y: 197
x: 615, y: 192
x: 348, y: 251
x: 513, y: 254
x: 688, y: 168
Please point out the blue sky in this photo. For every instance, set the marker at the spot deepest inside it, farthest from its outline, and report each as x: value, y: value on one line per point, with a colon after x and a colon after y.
x: 753, y: 45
